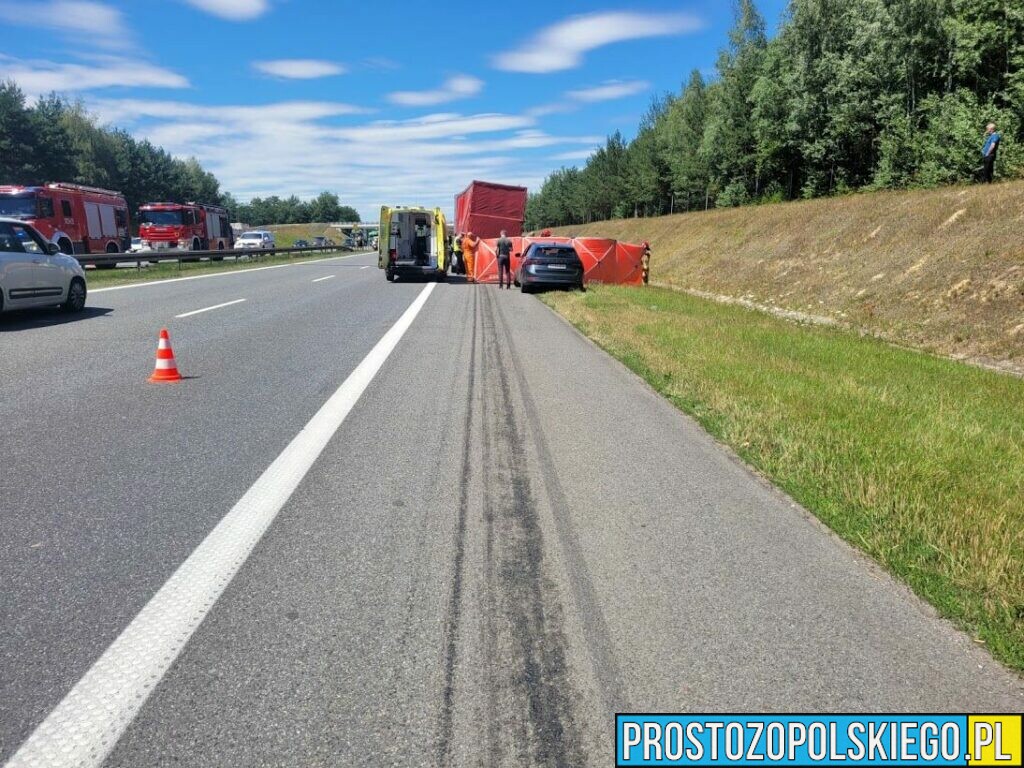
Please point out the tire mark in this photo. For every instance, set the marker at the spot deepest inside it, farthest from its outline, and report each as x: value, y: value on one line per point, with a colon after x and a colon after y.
x: 539, y: 668
x: 444, y: 743
x: 595, y: 628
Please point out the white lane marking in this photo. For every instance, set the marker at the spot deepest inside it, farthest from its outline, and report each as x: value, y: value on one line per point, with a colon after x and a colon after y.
x: 321, y: 279
x: 367, y: 266
x: 86, y: 725
x: 208, y: 309
x: 150, y: 283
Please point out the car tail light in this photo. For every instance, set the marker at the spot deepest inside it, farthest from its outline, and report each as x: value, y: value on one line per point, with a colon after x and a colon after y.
x: 392, y: 255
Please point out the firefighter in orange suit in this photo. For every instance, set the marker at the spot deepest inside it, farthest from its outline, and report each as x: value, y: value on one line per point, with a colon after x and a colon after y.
x: 469, y: 246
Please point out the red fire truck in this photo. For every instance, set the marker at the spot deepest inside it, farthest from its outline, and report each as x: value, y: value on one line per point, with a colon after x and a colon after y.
x: 184, y: 227
x: 79, y: 219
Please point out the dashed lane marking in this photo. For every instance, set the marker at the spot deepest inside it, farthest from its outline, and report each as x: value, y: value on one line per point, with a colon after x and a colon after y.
x: 208, y: 309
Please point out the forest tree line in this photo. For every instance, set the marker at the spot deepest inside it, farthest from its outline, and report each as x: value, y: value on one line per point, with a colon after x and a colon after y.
x: 849, y: 94
x: 57, y: 140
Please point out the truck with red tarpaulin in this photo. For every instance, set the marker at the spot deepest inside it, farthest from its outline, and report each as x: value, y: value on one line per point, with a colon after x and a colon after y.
x: 486, y: 208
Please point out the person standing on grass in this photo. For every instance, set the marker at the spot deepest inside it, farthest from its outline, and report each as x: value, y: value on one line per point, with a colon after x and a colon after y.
x: 504, y: 260
x: 989, y: 151
x: 645, y: 262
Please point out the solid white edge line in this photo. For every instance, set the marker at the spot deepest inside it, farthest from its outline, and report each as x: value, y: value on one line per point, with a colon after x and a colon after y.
x: 87, y: 724
x: 150, y: 283
x: 321, y: 279
x: 208, y: 309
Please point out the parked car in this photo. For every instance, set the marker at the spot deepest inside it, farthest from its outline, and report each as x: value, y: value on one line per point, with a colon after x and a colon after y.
x: 256, y: 238
x: 300, y: 244
x: 34, y: 272
x: 321, y: 242
x: 550, y: 265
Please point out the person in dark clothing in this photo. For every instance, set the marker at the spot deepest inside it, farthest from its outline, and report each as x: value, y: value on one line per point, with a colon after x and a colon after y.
x: 504, y: 261
x: 989, y: 151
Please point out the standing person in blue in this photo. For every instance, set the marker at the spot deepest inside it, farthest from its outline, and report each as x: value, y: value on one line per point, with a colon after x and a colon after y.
x: 989, y: 151
x: 504, y: 248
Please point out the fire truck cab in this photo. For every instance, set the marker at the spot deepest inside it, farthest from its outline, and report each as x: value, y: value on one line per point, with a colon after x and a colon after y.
x: 79, y: 219
x: 184, y: 227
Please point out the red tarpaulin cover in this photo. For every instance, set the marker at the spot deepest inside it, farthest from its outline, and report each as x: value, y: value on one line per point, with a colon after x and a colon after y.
x: 486, y: 208
x: 604, y: 261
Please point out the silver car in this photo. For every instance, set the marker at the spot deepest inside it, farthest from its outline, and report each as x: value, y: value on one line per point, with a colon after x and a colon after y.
x: 34, y: 273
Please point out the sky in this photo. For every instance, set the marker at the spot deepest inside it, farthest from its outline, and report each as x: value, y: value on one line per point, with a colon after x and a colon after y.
x: 399, y: 104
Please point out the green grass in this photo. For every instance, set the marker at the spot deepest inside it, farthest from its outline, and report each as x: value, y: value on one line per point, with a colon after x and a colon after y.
x: 917, y: 460
x: 165, y: 270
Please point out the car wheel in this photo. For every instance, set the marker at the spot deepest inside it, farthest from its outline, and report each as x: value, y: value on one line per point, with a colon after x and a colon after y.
x: 391, y: 276
x: 526, y: 288
x: 76, y: 296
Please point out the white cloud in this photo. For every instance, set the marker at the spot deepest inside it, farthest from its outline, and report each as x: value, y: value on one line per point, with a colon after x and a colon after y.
x: 580, y: 154
x: 233, y: 10
x: 454, y: 88
x: 563, y: 45
x: 91, y: 23
x: 299, y: 69
x: 613, y: 89
x: 37, y: 78
x: 607, y: 91
x: 303, y: 148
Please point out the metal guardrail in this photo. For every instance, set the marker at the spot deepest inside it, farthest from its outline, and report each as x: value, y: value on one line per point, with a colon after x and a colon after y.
x: 113, y: 259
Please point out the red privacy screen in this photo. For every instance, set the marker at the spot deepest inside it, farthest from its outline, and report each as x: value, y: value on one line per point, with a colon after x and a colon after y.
x: 604, y: 261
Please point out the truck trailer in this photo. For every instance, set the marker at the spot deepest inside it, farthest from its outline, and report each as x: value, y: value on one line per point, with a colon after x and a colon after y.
x: 485, y: 208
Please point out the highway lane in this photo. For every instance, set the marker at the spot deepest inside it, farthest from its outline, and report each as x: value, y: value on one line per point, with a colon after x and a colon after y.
x: 108, y: 482
x: 508, y: 539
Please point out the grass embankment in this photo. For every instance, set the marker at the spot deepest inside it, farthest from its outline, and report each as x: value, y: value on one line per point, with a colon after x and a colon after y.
x: 939, y: 269
x: 165, y: 270
x: 287, y: 234
x: 917, y: 460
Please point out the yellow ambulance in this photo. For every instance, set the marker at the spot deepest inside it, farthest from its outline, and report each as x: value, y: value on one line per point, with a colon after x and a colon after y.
x: 412, y: 243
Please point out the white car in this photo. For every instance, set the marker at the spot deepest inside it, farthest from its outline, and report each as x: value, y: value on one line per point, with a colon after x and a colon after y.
x: 34, y: 273
x: 258, y: 238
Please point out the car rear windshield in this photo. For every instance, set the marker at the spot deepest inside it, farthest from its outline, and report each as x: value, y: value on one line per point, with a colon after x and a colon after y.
x: 161, y: 218
x: 552, y: 252
x: 17, y: 205
x: 251, y: 236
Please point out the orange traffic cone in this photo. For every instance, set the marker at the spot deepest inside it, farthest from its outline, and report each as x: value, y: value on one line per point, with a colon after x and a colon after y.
x: 166, y: 369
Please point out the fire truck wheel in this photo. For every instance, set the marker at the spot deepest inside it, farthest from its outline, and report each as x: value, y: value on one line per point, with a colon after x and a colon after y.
x: 65, y: 246
x: 76, y: 296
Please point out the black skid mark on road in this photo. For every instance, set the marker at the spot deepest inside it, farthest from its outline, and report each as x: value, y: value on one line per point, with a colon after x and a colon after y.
x: 454, y: 611
x: 540, y: 680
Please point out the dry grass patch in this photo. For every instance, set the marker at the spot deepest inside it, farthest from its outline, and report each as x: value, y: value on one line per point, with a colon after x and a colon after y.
x: 917, y: 460
x: 940, y: 269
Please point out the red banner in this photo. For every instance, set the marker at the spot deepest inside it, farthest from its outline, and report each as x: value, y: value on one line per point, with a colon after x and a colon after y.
x: 604, y: 261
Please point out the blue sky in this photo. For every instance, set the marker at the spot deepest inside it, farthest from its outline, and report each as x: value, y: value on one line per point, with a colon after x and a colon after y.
x: 404, y: 106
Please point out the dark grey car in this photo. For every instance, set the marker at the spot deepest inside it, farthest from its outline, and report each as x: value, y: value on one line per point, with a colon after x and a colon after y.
x: 554, y: 265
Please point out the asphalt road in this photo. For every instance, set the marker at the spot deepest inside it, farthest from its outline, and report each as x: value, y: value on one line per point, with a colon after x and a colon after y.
x: 507, y: 539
